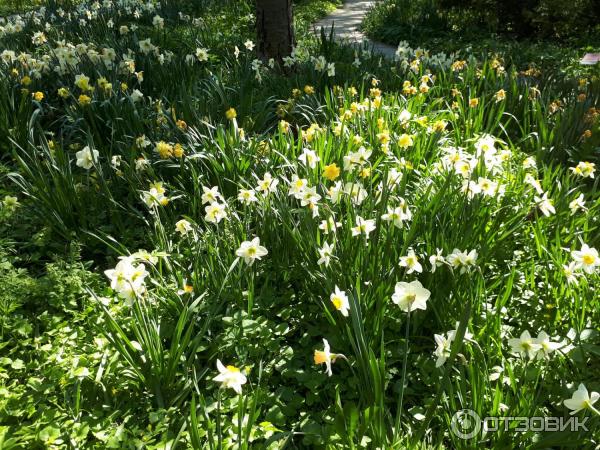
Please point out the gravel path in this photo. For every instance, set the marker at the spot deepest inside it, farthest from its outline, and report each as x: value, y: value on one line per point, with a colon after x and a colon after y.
x: 346, y: 22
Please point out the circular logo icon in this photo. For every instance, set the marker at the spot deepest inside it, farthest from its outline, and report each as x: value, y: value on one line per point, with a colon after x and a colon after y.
x: 465, y: 423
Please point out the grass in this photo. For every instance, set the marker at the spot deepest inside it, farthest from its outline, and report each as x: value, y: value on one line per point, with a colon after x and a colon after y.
x: 308, y: 12
x: 169, y: 256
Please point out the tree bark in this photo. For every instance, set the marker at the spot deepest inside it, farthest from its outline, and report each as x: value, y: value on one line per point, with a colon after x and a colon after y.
x: 274, y: 29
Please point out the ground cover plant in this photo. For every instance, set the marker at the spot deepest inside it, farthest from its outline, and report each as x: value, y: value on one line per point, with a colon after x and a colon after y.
x: 9, y: 7
x: 201, y: 249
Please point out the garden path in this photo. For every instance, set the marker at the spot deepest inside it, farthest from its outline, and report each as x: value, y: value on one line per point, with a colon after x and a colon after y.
x: 346, y: 22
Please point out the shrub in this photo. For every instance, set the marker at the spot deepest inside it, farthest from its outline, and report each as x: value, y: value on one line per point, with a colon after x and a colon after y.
x: 553, y: 19
x: 527, y: 18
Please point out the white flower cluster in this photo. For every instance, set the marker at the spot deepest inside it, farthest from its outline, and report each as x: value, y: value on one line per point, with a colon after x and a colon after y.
x: 413, y: 58
x: 127, y: 278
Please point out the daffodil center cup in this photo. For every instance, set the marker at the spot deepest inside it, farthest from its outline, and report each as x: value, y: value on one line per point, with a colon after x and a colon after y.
x: 588, y: 259
x: 337, y: 302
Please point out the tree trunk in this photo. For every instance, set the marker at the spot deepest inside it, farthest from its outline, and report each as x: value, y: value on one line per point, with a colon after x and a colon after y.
x: 274, y: 29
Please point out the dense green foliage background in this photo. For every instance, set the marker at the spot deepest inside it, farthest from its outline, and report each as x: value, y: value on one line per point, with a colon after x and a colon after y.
x: 546, y: 33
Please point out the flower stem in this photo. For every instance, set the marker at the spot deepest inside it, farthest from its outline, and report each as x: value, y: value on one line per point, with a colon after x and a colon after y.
x: 404, y: 364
